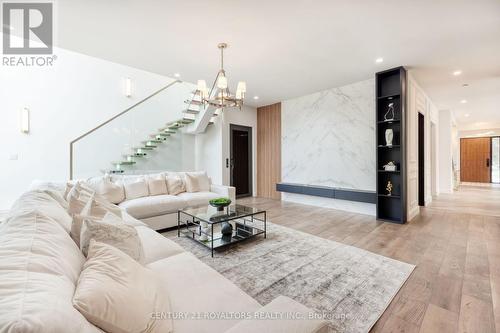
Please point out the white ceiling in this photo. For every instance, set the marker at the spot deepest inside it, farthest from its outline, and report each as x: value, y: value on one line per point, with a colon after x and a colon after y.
x: 287, y: 48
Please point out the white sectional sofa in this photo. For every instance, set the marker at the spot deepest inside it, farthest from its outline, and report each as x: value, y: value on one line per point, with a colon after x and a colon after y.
x: 157, y: 209
x: 40, y: 266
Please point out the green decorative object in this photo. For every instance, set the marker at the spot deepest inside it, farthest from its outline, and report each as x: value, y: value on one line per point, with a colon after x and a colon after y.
x: 220, y: 203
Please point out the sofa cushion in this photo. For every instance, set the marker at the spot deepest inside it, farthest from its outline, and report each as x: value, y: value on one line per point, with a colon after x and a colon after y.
x: 197, y: 182
x: 198, y: 198
x: 273, y: 318
x: 39, y: 266
x: 153, y: 206
x: 44, y: 203
x: 156, y: 246
x: 114, y: 231
x: 120, y: 296
x: 187, y: 279
x: 135, y: 188
x: 175, y: 184
x: 157, y: 184
x: 112, y: 192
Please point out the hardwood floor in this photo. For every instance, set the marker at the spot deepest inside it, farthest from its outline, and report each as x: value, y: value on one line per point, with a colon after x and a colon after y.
x: 455, y: 244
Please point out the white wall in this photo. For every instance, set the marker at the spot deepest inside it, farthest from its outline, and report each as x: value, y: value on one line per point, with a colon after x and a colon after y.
x: 328, y: 139
x: 65, y: 101
x: 445, y: 151
x: 419, y: 102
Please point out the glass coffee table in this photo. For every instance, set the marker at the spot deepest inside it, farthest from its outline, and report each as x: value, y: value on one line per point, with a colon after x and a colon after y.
x: 209, y: 226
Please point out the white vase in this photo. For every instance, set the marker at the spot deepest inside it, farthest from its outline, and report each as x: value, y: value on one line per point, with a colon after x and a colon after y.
x: 389, y: 135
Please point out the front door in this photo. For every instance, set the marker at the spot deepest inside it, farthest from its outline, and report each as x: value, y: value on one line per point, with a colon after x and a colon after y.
x: 240, y: 162
x: 475, y: 160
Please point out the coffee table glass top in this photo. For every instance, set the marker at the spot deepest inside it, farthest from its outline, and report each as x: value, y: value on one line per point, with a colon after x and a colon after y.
x: 210, y: 214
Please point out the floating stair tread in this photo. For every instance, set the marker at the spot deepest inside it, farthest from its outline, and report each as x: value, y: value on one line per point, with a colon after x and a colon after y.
x: 123, y: 162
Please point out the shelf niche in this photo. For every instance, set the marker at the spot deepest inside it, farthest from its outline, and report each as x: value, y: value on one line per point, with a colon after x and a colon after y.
x: 391, y: 88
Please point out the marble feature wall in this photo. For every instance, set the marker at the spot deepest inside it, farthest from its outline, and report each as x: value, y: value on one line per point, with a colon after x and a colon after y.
x: 328, y: 138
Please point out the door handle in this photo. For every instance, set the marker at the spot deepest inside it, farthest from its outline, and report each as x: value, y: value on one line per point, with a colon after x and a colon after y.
x: 487, y: 162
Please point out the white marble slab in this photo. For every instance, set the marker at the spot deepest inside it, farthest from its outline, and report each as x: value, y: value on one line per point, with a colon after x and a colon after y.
x: 328, y: 138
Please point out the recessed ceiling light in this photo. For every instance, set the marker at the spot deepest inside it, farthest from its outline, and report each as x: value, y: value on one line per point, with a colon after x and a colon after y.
x: 457, y: 72
x: 379, y: 60
x: 466, y: 115
x: 177, y: 75
x: 465, y: 85
x: 256, y: 97
x: 463, y: 101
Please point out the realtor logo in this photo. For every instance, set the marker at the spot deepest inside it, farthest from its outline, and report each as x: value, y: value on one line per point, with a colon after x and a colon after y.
x: 32, y: 23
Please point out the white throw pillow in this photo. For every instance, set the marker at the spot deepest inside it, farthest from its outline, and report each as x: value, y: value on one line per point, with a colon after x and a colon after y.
x: 119, y: 295
x: 136, y: 188
x: 77, y: 198
x: 175, y: 185
x: 76, y: 225
x: 197, y: 182
x: 109, y: 190
x: 113, y: 231
x: 157, y: 184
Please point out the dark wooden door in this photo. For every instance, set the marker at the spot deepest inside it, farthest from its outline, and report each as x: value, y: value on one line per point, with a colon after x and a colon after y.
x: 241, y: 160
x: 475, y: 160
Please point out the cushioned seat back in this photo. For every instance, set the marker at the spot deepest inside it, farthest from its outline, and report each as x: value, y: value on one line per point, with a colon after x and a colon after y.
x: 39, y: 267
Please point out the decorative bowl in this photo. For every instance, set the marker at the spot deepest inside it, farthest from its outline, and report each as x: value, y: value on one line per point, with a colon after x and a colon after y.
x: 220, y: 203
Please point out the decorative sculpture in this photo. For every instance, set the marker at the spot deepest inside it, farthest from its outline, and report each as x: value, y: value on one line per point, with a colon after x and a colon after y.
x: 391, y: 166
x: 389, y: 188
x: 389, y: 115
x: 389, y: 135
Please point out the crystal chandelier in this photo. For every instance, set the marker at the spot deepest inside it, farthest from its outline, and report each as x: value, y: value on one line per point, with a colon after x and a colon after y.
x: 219, y: 95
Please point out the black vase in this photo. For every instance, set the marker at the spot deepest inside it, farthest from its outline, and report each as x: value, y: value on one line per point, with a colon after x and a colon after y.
x: 226, y: 229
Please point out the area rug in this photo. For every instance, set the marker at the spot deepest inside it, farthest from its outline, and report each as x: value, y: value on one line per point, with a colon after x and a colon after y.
x: 349, y: 286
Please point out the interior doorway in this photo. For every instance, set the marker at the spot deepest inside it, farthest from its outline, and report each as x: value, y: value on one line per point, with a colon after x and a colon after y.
x: 421, y: 159
x: 475, y: 160
x: 240, y: 161
x: 495, y: 160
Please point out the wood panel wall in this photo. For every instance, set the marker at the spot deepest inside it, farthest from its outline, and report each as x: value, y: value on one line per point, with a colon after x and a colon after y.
x: 268, y: 150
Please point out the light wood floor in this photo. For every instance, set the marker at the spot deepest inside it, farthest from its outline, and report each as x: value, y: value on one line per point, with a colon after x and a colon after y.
x: 455, y: 244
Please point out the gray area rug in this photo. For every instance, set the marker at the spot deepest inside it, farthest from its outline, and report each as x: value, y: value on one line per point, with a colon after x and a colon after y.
x: 351, y: 287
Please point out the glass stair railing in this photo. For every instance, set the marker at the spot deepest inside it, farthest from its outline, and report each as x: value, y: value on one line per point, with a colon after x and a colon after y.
x: 128, y: 140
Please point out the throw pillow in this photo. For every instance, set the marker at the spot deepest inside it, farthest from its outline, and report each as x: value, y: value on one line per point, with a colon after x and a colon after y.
x: 106, y: 188
x: 113, y: 231
x: 197, y: 182
x: 119, y: 295
x: 157, y: 184
x: 79, y: 196
x: 175, y: 185
x: 76, y: 225
x: 136, y: 188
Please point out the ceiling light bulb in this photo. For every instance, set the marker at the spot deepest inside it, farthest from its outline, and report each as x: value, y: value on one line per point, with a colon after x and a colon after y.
x: 379, y: 60
x: 201, y: 85
x: 242, y: 86
x: 463, y: 101
x: 457, y: 72
x: 222, y: 82
x: 177, y: 75
x: 256, y: 97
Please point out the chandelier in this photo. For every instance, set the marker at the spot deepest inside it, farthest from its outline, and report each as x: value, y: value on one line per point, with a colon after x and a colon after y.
x: 219, y: 95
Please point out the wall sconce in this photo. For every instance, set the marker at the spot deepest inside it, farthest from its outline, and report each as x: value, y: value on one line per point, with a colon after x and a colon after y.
x: 128, y: 87
x: 25, y: 120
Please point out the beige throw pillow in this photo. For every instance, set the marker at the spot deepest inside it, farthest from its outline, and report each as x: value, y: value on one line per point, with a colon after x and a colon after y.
x: 135, y: 188
x: 175, y: 185
x: 106, y: 188
x: 113, y: 231
x: 197, y: 182
x: 157, y: 184
x: 119, y: 295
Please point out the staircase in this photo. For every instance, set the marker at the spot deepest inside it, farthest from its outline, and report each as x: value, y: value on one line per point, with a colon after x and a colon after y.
x: 194, y: 119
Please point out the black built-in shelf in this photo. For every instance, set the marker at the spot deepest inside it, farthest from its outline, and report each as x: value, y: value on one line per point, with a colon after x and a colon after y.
x: 390, y: 87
